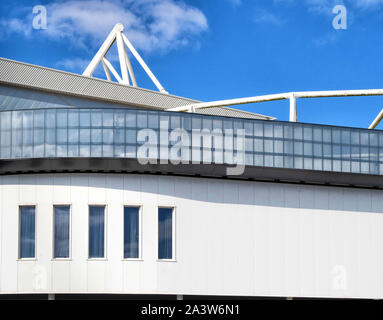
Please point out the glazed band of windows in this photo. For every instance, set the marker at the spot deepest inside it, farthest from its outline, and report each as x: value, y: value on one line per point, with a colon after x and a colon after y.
x: 96, y: 232
x: 112, y: 133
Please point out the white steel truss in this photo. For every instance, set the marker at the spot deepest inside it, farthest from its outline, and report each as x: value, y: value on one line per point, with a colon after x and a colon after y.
x: 127, y: 74
x: 292, y: 96
x: 127, y: 77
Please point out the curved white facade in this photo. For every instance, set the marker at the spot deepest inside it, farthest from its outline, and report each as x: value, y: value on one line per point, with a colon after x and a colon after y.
x: 231, y: 237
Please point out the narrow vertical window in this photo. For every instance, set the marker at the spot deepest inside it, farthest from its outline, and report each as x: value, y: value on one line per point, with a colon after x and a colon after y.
x: 61, y: 231
x: 131, y: 232
x: 165, y: 233
x: 27, y: 232
x: 96, y: 232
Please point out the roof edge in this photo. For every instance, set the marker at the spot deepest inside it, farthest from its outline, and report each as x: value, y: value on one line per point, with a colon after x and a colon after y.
x: 92, y: 79
x: 45, y: 79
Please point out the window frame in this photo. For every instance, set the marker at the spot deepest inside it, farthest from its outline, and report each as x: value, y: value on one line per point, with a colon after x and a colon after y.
x: 34, y: 258
x: 105, y: 206
x: 174, y: 257
x: 140, y: 230
x: 53, y: 231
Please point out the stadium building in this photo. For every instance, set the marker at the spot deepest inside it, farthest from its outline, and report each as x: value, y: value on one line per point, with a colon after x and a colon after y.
x: 107, y: 188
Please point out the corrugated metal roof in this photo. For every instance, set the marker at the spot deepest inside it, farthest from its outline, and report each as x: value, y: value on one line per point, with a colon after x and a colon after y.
x: 36, y: 77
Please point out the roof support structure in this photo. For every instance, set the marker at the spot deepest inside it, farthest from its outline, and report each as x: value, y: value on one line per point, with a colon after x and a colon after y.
x: 143, y: 64
x: 127, y: 73
x: 293, y: 108
x: 110, y: 67
x: 292, y: 96
x: 102, y: 51
x: 121, y: 56
x: 106, y: 71
x: 377, y: 120
x: 130, y: 69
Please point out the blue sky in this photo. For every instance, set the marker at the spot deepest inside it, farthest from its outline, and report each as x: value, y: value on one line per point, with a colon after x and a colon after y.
x: 220, y: 49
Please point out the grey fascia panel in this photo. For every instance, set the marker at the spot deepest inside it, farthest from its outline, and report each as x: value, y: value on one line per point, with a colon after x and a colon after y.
x: 254, y: 173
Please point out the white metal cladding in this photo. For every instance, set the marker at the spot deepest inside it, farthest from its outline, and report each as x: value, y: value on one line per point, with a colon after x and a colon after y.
x: 232, y: 238
x: 35, y: 77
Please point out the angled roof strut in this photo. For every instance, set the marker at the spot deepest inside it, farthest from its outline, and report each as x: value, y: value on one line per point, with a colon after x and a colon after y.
x: 127, y: 74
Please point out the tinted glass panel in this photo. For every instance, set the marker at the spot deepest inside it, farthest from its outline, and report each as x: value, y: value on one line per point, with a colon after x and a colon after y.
x: 27, y: 232
x: 165, y: 233
x: 61, y: 231
x: 131, y: 232
x: 96, y: 231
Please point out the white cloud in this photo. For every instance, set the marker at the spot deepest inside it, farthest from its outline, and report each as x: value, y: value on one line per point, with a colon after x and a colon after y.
x: 15, y: 25
x: 321, y: 6
x: 73, y: 64
x: 149, y: 24
x: 264, y: 16
x: 325, y: 40
x: 369, y: 3
x: 326, y: 6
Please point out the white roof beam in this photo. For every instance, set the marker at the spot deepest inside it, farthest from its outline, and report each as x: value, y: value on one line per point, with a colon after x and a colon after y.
x: 107, y: 73
x: 130, y: 68
x: 110, y: 67
x: 292, y: 96
x: 377, y: 120
x: 280, y: 96
x: 102, y: 51
x: 143, y: 64
x: 122, y: 58
x: 293, y: 108
x: 127, y: 72
x: 231, y: 102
